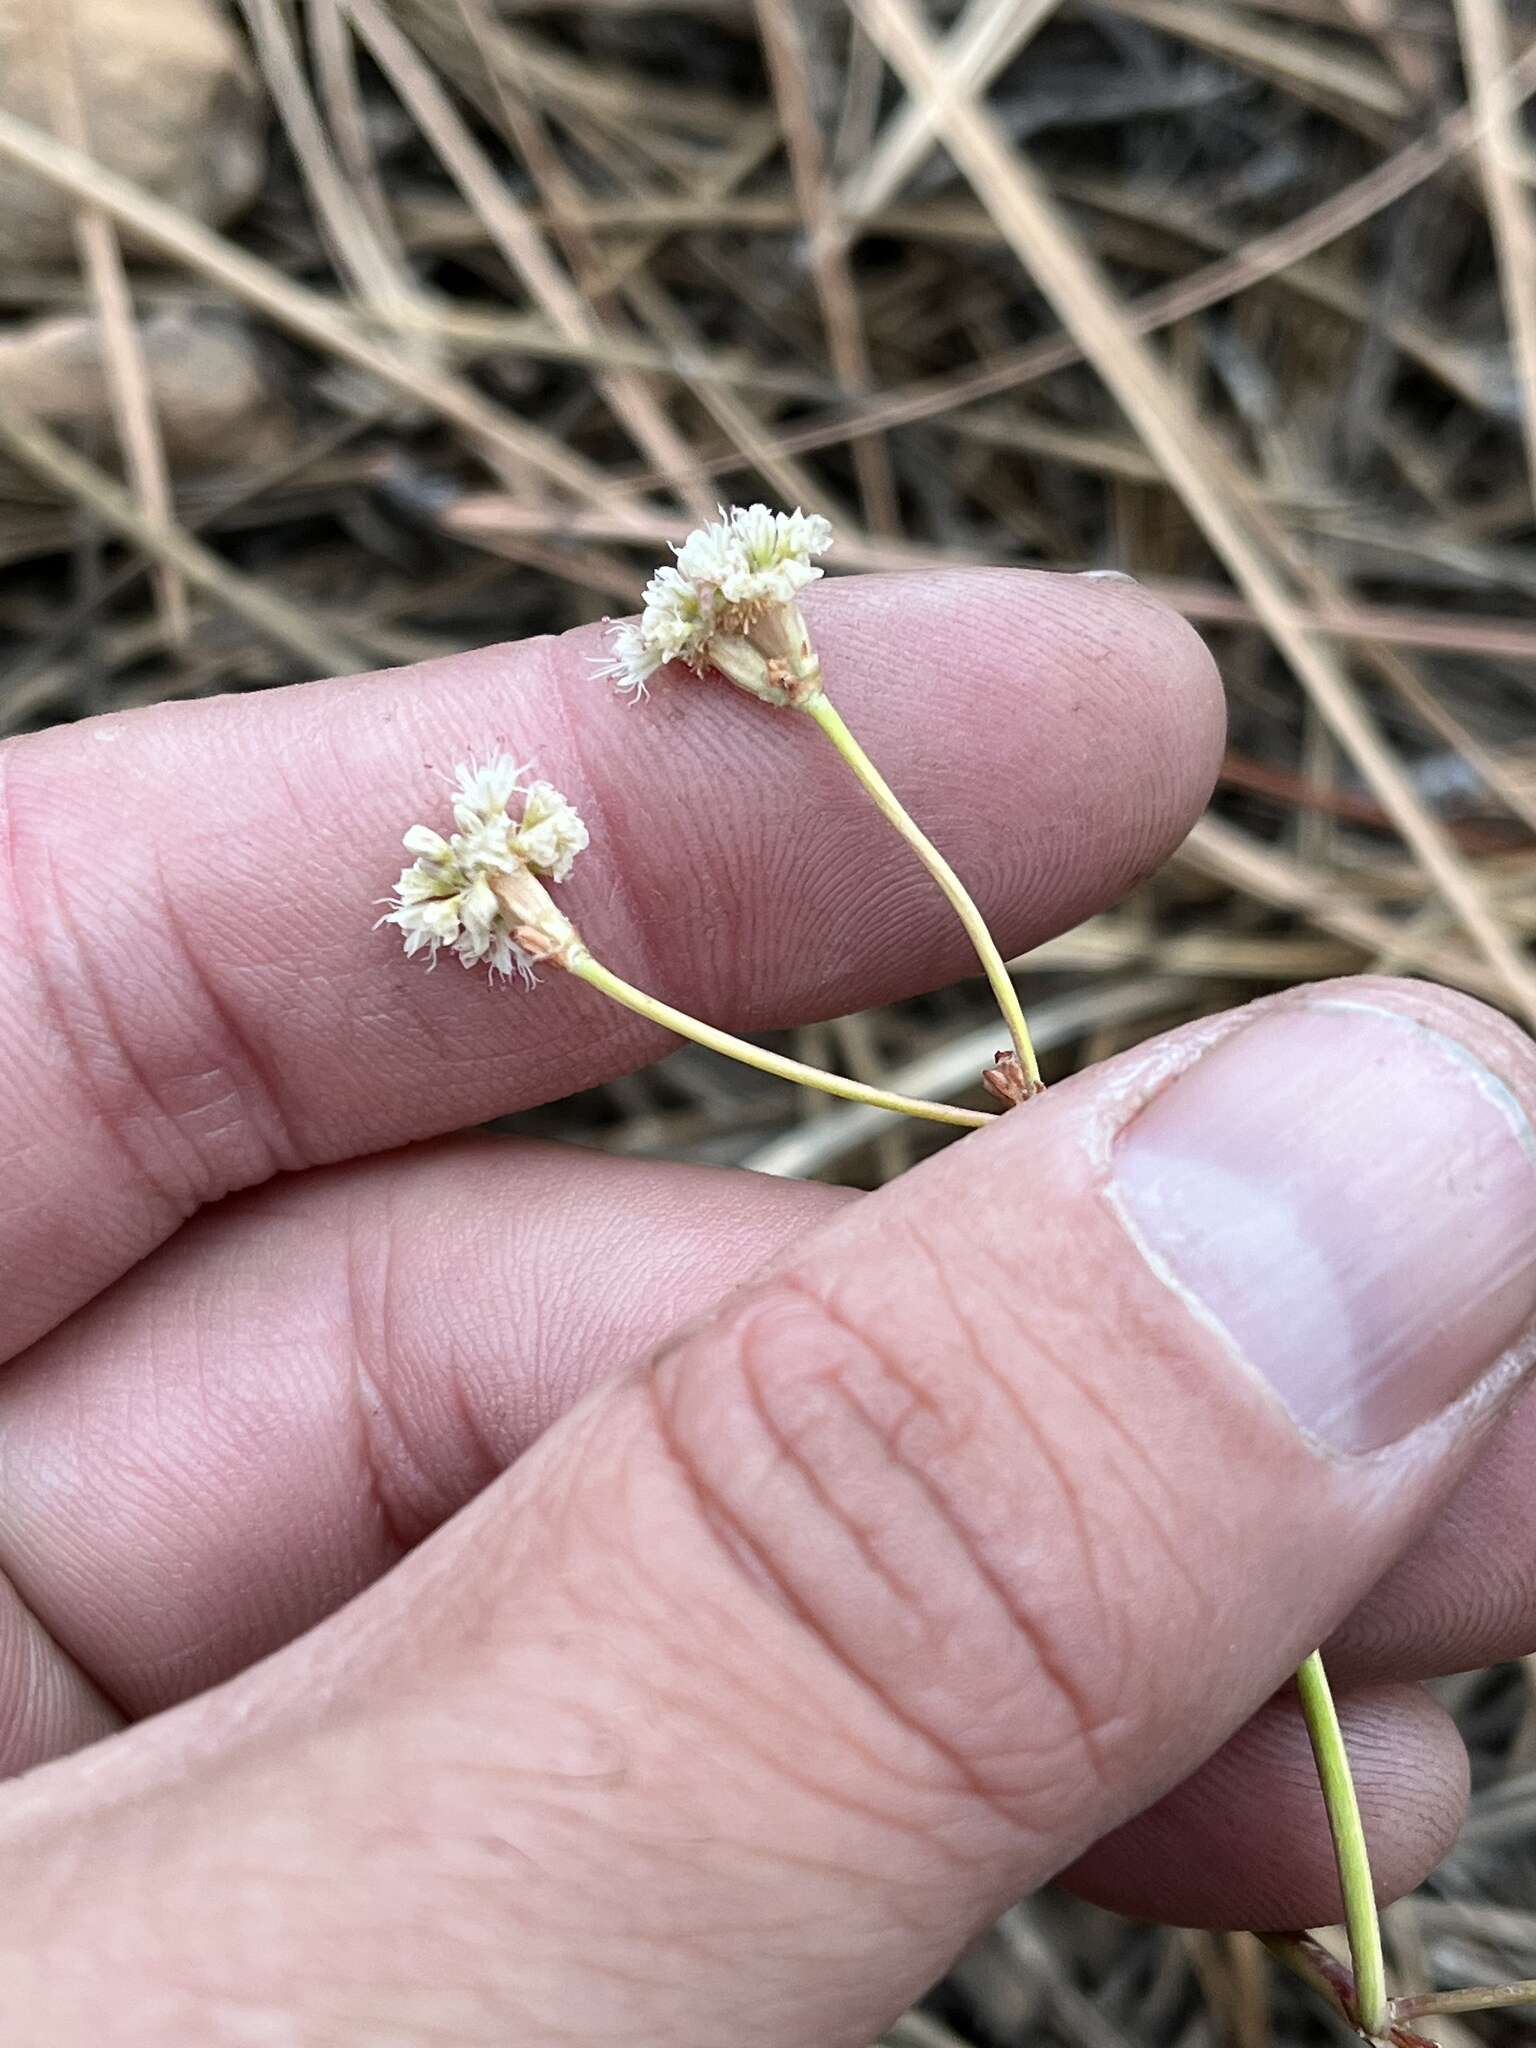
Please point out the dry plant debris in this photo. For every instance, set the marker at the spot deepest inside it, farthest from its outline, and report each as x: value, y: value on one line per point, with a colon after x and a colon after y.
x: 371, y: 329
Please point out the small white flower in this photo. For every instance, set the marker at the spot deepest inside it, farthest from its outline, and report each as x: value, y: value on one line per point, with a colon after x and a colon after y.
x: 710, y: 553
x: 731, y: 605
x: 453, y: 893
x: 481, y: 795
x: 772, y: 555
x: 678, y: 614
x: 631, y: 660
x: 551, y: 833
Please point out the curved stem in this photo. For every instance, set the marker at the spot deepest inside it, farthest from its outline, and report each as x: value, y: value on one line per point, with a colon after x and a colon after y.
x: 1361, y: 1921
x: 585, y: 968
x: 821, y: 708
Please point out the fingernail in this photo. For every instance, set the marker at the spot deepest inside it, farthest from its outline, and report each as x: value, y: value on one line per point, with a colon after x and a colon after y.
x: 1351, y: 1195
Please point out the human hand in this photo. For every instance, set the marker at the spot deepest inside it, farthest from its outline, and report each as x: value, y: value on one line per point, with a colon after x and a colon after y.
x: 862, y: 1561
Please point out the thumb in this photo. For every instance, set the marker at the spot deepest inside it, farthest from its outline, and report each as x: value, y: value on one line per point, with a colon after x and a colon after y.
x: 778, y: 1669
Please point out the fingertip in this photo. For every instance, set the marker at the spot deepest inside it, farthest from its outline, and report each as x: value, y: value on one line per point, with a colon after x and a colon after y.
x: 1091, y: 702
x: 1243, y: 1843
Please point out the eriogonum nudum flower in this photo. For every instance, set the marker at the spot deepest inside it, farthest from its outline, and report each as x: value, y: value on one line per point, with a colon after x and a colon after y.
x: 477, y: 891
x: 731, y: 605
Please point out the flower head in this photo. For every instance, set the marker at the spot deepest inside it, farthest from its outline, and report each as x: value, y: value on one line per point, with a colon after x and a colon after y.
x: 477, y: 891
x: 551, y: 833
x: 731, y: 604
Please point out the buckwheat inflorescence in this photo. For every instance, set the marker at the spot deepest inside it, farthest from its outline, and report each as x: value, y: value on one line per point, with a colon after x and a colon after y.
x: 477, y: 891
x: 730, y: 605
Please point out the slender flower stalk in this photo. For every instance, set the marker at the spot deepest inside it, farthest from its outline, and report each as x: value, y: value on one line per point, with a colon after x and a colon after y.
x: 1362, y: 1923
x: 831, y: 722
x: 480, y: 894
x: 591, y: 971
x: 731, y: 607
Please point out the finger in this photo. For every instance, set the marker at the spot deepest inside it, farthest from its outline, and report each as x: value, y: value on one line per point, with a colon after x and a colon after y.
x: 328, y: 1390
x: 1242, y: 1842
x: 933, y: 1557
x: 48, y: 1705
x: 192, y: 970
x: 269, y: 1412
x: 1465, y: 1595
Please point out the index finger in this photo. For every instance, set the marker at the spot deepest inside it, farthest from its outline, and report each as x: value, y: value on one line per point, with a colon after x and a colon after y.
x: 198, y: 999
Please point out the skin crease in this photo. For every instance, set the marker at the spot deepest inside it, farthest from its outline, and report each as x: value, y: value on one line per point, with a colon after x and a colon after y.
x: 230, y: 1018
x: 677, y: 1677
x: 239, y: 1418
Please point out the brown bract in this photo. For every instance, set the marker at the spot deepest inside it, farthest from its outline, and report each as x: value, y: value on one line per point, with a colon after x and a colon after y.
x: 1006, y: 1081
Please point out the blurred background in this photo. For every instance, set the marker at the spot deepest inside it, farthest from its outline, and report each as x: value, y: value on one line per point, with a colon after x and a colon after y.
x: 343, y: 334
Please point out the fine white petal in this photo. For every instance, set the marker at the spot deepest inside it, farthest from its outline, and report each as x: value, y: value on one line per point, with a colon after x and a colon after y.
x: 478, y: 912
x: 630, y: 663
x: 774, y: 553
x: 676, y: 620
x: 425, y: 882
x: 551, y: 833
x: 427, y: 844
x: 504, y: 956
x: 804, y: 534
x: 776, y: 583
x: 424, y: 919
x: 709, y: 554
x: 482, y: 795
x: 755, y: 529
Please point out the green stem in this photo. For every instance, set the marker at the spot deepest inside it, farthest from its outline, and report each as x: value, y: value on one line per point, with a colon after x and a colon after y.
x: 826, y: 715
x: 585, y: 968
x: 1361, y: 1921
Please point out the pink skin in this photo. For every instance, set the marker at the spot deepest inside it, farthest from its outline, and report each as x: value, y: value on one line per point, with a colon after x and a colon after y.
x: 209, y: 1444
x: 192, y: 887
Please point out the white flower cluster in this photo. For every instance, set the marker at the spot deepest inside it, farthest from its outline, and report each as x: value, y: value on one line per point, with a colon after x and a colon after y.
x: 448, y: 896
x: 735, y: 588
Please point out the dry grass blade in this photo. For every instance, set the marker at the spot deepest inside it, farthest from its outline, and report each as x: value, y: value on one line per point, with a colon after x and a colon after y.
x: 634, y: 399
x: 1269, y: 875
x: 1308, y: 66
x: 784, y: 46
x: 305, y: 313
x: 1485, y: 46
x: 101, y: 259
x: 583, y: 92
x: 284, y: 624
x: 519, y: 242
x: 986, y: 37
x: 1193, y: 463
x: 335, y: 61
x: 1395, y: 626
x: 354, y: 242
x: 763, y: 451
x: 1265, y: 256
